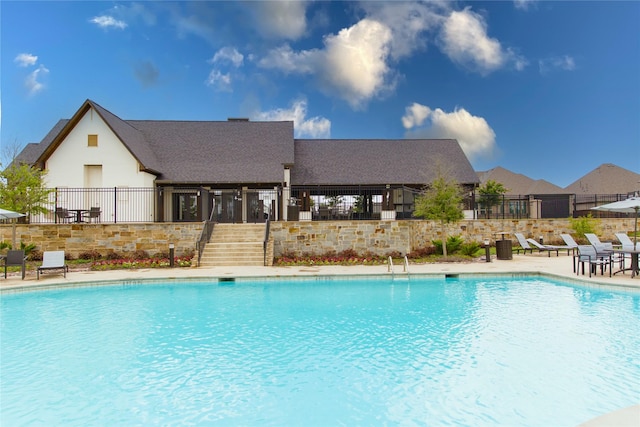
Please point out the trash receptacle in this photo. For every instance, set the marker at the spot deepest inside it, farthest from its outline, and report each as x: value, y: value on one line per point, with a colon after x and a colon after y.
x: 293, y: 213
x: 504, y: 249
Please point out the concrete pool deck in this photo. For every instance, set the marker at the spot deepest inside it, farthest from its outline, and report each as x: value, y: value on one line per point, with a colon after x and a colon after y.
x: 560, y: 267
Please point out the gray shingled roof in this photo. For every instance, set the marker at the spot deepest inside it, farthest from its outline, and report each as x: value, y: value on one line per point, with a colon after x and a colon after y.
x: 192, y: 152
x: 377, y: 161
x: 32, y: 151
x: 220, y: 152
x: 519, y: 184
x: 236, y: 152
x: 606, y: 179
x: 132, y: 138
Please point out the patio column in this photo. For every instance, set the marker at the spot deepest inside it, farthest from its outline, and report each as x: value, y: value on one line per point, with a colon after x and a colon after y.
x: 286, y: 191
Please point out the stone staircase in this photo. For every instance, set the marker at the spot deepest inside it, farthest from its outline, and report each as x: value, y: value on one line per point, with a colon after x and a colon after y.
x: 237, y: 244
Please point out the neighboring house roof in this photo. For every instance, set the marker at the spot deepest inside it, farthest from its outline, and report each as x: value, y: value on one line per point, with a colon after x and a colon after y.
x: 378, y: 161
x: 519, y: 184
x: 606, y: 179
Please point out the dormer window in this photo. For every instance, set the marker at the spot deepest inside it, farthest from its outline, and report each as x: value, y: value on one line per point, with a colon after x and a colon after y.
x: 92, y: 141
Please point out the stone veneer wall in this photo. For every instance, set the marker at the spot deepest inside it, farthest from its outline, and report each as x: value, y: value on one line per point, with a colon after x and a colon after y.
x: 121, y: 238
x: 381, y: 237
x: 296, y: 237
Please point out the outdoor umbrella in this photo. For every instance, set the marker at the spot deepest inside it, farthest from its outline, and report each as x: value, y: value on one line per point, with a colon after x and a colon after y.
x: 630, y: 205
x: 7, y: 214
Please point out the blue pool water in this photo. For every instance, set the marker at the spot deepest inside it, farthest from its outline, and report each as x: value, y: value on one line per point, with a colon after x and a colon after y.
x: 487, y: 352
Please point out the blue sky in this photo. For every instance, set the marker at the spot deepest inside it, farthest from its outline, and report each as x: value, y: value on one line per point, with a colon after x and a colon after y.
x: 543, y: 88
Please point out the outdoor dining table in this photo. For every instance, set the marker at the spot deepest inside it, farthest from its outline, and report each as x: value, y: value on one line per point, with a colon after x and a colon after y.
x: 635, y: 268
x: 79, y: 213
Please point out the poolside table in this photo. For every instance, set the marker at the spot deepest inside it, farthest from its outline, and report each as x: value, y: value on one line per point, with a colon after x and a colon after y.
x: 635, y: 268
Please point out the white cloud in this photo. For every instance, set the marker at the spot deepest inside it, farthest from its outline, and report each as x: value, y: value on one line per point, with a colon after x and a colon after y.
x: 106, y: 21
x: 415, y: 115
x: 465, y: 41
x: 219, y: 81
x: 352, y: 64
x: 284, y: 58
x: 408, y: 22
x: 523, y: 4
x: 228, y: 55
x: 33, y: 83
x: 355, y: 61
x: 314, y: 127
x: 26, y: 59
x: 564, y: 63
x: 475, y: 136
x: 281, y: 19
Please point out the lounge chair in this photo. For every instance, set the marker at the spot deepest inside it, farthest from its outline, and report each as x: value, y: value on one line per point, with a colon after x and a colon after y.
x: 587, y: 253
x: 15, y: 258
x: 569, y: 241
x: 52, y: 260
x: 626, y: 241
x: 545, y: 248
x: 593, y: 239
x: 524, y: 245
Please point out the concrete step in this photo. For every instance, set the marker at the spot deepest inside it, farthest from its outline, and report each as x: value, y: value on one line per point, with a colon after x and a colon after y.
x: 235, y: 244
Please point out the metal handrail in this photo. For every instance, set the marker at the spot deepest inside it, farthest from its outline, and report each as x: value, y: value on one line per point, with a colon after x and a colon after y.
x: 390, y: 265
x: 205, y: 235
x: 406, y: 264
x: 266, y: 239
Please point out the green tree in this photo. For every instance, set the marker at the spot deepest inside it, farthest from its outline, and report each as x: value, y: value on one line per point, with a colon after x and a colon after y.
x: 22, y: 189
x: 584, y: 224
x: 441, y: 201
x: 490, y: 194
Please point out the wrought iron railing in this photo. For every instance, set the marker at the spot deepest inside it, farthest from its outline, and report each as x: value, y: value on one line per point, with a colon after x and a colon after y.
x: 316, y: 203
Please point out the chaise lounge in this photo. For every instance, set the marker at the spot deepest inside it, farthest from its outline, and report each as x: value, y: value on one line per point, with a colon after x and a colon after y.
x: 53, y: 260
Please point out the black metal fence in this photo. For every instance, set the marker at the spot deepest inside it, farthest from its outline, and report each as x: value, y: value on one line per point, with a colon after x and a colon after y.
x: 316, y: 203
x: 582, y: 205
x: 117, y: 204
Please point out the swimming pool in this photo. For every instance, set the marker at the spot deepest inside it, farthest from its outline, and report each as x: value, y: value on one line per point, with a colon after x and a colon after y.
x: 486, y: 351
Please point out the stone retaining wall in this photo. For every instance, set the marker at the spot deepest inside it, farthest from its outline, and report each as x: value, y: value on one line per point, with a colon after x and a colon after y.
x: 379, y: 237
x: 121, y: 238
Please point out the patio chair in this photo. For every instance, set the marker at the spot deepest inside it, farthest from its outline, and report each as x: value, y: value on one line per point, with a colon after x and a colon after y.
x: 93, y: 213
x: 15, y: 258
x: 64, y: 215
x: 587, y: 253
x: 52, y: 260
x: 545, y: 248
x: 524, y: 245
x: 604, y: 249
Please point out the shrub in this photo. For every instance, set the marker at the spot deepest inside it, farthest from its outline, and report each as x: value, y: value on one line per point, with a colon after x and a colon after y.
x: 35, y: 255
x: 90, y: 255
x: 422, y: 252
x: 139, y: 254
x: 348, y: 253
x: 470, y: 249
x: 453, y: 245
x: 584, y: 224
x: 393, y: 254
x: 113, y: 255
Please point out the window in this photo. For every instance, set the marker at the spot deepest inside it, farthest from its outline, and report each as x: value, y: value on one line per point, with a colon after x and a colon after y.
x: 92, y: 141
